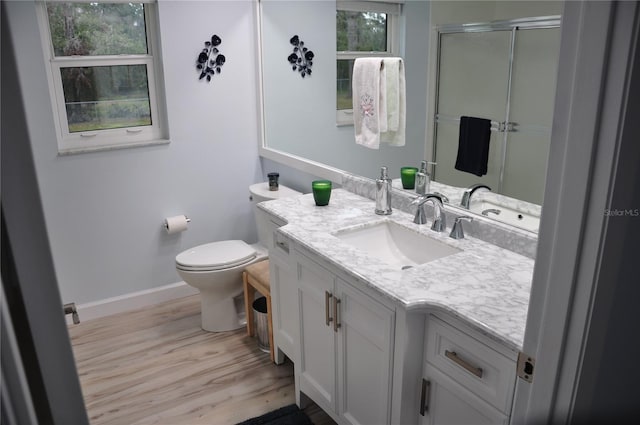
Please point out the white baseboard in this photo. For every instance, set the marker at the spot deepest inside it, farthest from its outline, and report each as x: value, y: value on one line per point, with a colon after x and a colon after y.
x: 132, y: 301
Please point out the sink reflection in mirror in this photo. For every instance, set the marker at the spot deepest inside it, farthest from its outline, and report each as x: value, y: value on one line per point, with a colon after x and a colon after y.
x: 395, y: 244
x: 506, y: 215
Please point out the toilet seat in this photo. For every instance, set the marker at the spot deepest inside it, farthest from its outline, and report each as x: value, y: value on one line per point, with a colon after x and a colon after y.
x: 216, y: 256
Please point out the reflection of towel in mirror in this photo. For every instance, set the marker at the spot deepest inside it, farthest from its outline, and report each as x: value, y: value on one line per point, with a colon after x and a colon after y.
x: 379, y: 101
x: 367, y: 80
x: 473, y: 145
x: 396, y: 103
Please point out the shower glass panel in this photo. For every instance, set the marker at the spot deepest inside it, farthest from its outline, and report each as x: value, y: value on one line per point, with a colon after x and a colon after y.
x: 473, y: 69
x: 533, y: 86
x: 503, y: 71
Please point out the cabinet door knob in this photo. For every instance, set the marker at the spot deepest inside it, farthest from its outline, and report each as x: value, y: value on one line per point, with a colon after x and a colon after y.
x: 327, y: 313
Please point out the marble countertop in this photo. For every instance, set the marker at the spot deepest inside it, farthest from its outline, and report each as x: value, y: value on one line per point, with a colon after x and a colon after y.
x: 484, y: 285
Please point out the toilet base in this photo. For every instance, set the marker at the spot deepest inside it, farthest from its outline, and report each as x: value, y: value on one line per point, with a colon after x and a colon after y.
x: 221, y: 315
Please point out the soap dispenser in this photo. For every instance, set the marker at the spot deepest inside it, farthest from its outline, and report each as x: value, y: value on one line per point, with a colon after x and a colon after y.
x: 423, y: 178
x: 383, y: 193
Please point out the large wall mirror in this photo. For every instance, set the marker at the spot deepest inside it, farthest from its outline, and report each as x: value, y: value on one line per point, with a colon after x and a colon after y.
x: 502, y: 69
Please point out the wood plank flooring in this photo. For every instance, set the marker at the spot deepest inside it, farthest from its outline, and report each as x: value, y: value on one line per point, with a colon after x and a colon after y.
x: 157, y: 366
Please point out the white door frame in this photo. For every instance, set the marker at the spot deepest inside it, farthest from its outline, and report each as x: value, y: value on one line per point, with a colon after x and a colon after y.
x: 594, y: 71
x: 45, y: 382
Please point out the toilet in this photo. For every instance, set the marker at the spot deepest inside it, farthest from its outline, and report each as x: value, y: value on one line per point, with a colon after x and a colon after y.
x: 215, y: 268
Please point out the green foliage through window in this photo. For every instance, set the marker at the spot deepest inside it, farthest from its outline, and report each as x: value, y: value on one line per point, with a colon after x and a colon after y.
x: 103, y: 97
x: 91, y: 29
x: 357, y: 34
x: 343, y: 94
x: 99, y: 97
x: 361, y: 31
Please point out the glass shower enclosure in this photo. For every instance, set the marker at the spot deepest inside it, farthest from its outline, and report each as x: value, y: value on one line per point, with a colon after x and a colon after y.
x: 504, y: 71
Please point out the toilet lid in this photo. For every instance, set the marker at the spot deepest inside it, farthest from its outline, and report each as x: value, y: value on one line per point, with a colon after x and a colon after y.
x: 216, y: 255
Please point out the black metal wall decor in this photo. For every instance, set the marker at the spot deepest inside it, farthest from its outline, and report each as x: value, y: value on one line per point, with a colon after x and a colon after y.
x: 210, y: 60
x: 302, y: 58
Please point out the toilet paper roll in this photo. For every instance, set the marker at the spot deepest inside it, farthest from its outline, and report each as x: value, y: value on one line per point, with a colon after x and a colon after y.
x: 176, y: 224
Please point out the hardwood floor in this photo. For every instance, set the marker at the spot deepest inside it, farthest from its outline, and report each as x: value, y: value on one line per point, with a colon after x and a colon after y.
x: 157, y: 366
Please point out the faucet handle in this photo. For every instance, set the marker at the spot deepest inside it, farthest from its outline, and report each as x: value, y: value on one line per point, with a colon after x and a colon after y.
x: 457, y: 231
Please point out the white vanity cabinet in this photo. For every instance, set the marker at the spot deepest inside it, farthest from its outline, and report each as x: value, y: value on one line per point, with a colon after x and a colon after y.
x: 465, y: 380
x: 364, y: 338
x: 346, y: 346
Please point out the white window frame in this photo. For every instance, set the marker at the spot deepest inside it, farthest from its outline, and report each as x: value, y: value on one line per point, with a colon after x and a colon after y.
x: 393, y: 9
x: 124, y: 137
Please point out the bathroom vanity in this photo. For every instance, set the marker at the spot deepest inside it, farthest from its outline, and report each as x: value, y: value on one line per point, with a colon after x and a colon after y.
x: 387, y: 321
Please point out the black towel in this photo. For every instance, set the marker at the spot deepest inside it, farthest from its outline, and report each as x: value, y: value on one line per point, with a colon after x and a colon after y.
x: 473, y: 145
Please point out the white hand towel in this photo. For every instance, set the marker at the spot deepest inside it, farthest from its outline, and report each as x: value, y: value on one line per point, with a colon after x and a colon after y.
x: 395, y: 102
x: 392, y: 73
x: 366, y: 83
x: 383, y: 124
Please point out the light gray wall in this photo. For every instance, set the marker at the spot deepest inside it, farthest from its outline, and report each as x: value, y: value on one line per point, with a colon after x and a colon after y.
x: 104, y: 210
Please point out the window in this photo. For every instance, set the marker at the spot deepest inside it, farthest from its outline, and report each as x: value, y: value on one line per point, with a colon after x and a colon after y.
x: 102, y: 74
x: 362, y: 29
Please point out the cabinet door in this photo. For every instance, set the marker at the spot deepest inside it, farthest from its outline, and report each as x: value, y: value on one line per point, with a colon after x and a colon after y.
x: 364, y: 344
x: 317, y: 347
x: 449, y: 403
x: 284, y: 300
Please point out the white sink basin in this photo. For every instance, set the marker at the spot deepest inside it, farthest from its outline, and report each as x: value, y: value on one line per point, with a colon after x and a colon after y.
x: 395, y: 244
x: 507, y: 215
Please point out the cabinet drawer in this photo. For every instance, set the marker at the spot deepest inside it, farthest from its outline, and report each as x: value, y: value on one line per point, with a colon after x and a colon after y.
x: 280, y: 247
x: 487, y: 373
x: 451, y: 403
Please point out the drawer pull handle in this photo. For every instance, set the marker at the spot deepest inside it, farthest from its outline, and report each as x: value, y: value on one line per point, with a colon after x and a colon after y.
x: 336, y: 309
x: 283, y: 246
x: 327, y: 298
x: 453, y: 356
x: 424, y: 397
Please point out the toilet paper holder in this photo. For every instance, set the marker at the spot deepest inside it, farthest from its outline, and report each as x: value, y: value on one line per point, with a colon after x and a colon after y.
x: 165, y: 225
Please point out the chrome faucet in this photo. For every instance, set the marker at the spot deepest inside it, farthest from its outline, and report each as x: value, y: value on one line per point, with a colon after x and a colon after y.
x: 457, y: 232
x: 466, y: 195
x: 491, y: 210
x: 445, y: 200
x: 439, y: 217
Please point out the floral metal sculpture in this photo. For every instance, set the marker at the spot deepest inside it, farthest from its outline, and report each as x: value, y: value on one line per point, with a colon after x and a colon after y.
x: 302, y: 58
x: 210, y: 60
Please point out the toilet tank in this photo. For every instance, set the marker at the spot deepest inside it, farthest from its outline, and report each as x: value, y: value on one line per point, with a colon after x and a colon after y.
x: 260, y: 192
